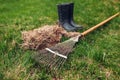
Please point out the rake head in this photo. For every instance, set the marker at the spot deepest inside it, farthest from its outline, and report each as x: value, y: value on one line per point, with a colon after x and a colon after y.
x: 54, y: 57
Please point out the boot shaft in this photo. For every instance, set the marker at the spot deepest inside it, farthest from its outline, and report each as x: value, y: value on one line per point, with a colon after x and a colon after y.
x: 63, y: 12
x: 71, y: 11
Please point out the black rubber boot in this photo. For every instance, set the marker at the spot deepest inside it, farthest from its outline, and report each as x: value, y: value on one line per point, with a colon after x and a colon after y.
x: 63, y: 14
x: 71, y: 8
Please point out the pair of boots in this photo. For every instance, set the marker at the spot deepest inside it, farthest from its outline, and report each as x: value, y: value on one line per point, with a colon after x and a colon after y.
x: 65, y: 14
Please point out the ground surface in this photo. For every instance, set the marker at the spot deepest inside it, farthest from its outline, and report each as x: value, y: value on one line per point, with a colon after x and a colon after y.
x: 97, y: 57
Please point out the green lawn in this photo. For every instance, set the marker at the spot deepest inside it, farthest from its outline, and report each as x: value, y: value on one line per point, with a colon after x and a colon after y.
x: 96, y: 57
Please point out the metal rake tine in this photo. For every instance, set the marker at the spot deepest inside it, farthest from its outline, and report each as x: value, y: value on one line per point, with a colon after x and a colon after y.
x: 57, y: 65
x: 62, y: 62
x: 53, y: 62
x: 42, y: 57
x: 49, y: 58
x: 57, y: 62
x: 46, y: 59
x: 53, y: 51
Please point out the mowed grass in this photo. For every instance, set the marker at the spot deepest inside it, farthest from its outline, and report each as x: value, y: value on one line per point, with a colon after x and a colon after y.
x: 95, y: 57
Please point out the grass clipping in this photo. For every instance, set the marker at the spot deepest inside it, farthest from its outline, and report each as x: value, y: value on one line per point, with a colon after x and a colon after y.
x: 45, y: 36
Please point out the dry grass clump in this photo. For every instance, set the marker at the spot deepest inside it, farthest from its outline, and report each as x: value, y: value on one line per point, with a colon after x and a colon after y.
x: 45, y: 36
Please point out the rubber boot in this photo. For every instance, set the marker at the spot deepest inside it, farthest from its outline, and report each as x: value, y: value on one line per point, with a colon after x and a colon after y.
x: 71, y: 8
x: 63, y: 14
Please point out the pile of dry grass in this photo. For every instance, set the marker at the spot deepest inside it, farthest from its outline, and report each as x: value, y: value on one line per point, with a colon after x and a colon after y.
x: 45, y: 36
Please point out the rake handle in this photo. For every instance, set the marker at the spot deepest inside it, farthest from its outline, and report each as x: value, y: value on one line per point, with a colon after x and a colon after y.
x: 98, y: 25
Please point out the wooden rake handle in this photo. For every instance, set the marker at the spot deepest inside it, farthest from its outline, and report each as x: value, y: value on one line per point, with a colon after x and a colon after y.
x: 98, y: 25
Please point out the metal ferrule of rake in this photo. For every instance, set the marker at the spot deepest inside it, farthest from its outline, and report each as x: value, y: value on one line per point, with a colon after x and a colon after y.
x: 53, y: 57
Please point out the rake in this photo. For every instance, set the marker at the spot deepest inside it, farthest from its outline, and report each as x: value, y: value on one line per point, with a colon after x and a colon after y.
x: 54, y: 57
